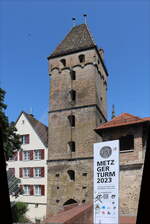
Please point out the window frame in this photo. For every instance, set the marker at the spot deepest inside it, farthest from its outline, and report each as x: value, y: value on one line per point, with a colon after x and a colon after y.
x: 28, y: 157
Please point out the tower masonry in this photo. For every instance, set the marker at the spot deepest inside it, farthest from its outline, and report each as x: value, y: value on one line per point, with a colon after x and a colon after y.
x: 77, y: 106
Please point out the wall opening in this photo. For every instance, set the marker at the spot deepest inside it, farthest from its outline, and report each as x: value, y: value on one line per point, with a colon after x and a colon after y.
x: 71, y: 174
x: 71, y: 119
x: 126, y: 142
x: 70, y: 202
x: 73, y: 75
x: 63, y: 62
x: 82, y: 58
x: 72, y: 94
x: 71, y: 145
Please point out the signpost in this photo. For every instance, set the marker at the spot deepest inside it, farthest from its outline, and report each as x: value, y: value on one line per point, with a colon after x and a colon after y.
x: 106, y: 182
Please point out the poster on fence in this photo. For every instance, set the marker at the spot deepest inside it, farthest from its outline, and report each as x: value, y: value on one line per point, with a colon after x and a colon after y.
x: 106, y: 182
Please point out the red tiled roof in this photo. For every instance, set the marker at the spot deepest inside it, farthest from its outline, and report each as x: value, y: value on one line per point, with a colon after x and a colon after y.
x: 122, y: 120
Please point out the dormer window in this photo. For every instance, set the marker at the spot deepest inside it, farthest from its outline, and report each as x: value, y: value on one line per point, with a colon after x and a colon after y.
x: 82, y: 58
x: 63, y: 62
x: 71, y: 145
x: 71, y: 119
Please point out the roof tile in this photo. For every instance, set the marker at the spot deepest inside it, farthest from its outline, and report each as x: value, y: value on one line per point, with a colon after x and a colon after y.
x: 79, y: 38
x: 122, y: 120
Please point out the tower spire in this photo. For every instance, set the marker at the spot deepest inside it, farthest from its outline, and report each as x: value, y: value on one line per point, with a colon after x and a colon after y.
x: 74, y: 21
x: 113, y: 111
x: 85, y: 18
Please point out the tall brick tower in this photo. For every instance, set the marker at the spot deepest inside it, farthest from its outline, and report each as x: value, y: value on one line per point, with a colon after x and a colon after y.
x: 77, y: 106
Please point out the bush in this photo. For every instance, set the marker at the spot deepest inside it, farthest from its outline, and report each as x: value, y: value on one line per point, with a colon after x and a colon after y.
x: 19, y: 210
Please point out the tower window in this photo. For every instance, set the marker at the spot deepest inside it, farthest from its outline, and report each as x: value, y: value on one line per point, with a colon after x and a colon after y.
x: 71, y: 146
x: 84, y: 174
x: 71, y: 119
x: 73, y: 75
x: 72, y: 94
x: 63, y: 62
x: 82, y: 58
x: 71, y: 174
x: 57, y: 174
x: 126, y: 143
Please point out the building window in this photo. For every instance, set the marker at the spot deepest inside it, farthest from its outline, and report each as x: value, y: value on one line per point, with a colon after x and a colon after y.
x: 37, y: 172
x: 26, y: 172
x: 83, y: 201
x: 37, y: 190
x: 57, y: 201
x: 25, y: 139
x: 26, y: 155
x: 26, y: 189
x: 84, y: 174
x: 71, y: 145
x: 63, y: 62
x: 57, y: 174
x: 126, y: 143
x: 73, y: 75
x: 72, y: 94
x: 71, y: 174
x: 37, y: 154
x: 84, y: 187
x: 11, y: 171
x: 71, y: 119
x: 82, y: 58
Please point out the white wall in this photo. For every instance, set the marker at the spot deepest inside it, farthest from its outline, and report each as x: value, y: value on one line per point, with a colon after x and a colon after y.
x: 24, y: 127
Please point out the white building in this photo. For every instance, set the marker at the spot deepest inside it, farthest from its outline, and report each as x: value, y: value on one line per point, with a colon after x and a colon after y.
x: 29, y: 164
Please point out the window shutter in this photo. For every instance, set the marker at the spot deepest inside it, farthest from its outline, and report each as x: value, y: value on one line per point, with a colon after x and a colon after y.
x: 42, y: 189
x: 31, y: 155
x: 31, y: 172
x: 42, y: 171
x: 31, y: 190
x: 20, y: 172
x: 20, y: 155
x: 15, y: 156
x: 27, y: 139
x: 42, y: 153
x: 21, y: 189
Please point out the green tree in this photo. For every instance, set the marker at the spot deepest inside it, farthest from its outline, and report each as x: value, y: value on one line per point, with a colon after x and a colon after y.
x: 19, y: 210
x: 11, y: 140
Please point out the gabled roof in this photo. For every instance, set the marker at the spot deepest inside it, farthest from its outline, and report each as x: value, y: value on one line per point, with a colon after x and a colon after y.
x: 40, y: 129
x: 79, y: 38
x: 122, y: 120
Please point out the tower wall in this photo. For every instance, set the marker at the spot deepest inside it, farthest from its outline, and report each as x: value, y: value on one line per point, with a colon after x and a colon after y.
x: 89, y: 110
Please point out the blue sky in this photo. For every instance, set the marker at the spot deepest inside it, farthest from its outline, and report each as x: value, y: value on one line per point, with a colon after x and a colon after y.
x: 31, y: 30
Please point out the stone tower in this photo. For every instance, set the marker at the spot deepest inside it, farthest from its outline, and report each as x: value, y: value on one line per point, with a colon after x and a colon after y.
x: 77, y: 106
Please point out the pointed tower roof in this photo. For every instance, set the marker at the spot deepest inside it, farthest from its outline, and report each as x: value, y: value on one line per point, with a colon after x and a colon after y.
x: 79, y: 38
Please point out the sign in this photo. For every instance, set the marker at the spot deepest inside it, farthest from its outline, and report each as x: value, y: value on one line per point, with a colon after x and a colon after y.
x: 106, y: 182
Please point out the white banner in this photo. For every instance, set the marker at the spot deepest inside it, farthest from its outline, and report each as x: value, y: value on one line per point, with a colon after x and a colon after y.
x: 106, y: 182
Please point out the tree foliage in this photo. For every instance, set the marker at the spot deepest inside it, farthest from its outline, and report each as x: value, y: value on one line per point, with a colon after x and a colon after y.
x: 11, y: 140
x: 19, y: 210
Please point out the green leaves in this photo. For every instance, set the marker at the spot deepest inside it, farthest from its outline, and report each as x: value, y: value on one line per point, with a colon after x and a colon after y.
x: 11, y: 140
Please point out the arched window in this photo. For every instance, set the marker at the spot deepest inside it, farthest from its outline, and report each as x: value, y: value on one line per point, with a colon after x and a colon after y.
x: 70, y: 202
x: 63, y: 62
x: 71, y: 119
x: 82, y: 58
x: 71, y: 145
x: 71, y: 174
